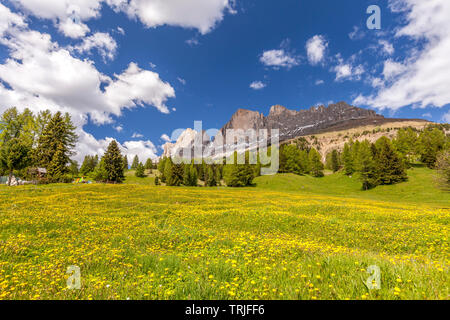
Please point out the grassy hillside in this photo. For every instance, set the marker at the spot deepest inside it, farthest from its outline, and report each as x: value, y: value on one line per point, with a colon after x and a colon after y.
x: 274, y: 241
x: 420, y: 187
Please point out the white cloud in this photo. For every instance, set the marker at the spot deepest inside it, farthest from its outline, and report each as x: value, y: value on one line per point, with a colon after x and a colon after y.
x: 192, y: 42
x: 279, y: 58
x: 425, y: 75
x: 347, y: 71
x: 427, y: 115
x: 315, y: 48
x: 319, y: 82
x: 39, y: 74
x: 203, y: 15
x: 165, y: 138
x: 137, y: 135
x: 392, y: 69
x: 102, y: 42
x: 387, y: 47
x: 88, y: 145
x: 121, y: 31
x: 118, y: 128
x: 9, y: 19
x: 257, y: 85
x: 356, y: 34
x: 68, y: 15
x: 182, y: 81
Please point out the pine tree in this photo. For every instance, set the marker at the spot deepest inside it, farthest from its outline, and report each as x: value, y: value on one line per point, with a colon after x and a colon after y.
x: 365, y: 164
x: 149, y: 164
x: 58, y: 134
x: 173, y: 173
x: 211, y: 180
x: 347, y: 160
x: 431, y: 142
x: 135, y: 163
x: 125, y: 162
x: 335, y: 161
x: 100, y: 174
x: 315, y: 163
x: 113, y: 163
x: 89, y: 165
x: 140, y: 171
x: 390, y: 168
x: 58, y: 166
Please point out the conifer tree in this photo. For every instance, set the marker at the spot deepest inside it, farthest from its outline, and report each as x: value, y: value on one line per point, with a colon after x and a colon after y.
x: 113, y: 163
x: 149, y: 164
x: 316, y: 165
x: 125, y: 162
x: 390, y: 168
x: 334, y: 161
x: 140, y: 171
x: 211, y: 177
x: 135, y: 163
x: 58, y: 166
x: 347, y: 160
x: 365, y: 164
x: 58, y: 135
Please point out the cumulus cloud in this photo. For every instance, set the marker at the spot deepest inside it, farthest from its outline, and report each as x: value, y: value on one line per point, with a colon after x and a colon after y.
x: 118, y: 128
x: 257, y: 85
x: 446, y: 117
x: 70, y: 16
x: 279, y: 58
x: 166, y: 138
x: 202, y: 15
x: 39, y: 74
x: 315, y: 48
x: 347, y: 70
x: 102, y: 42
x: 89, y: 145
x: 423, y: 78
x: 387, y: 47
x: 319, y: 82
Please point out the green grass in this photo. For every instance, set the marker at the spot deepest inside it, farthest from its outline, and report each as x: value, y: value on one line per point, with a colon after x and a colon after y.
x: 289, y: 237
x: 149, y: 179
x: 420, y: 187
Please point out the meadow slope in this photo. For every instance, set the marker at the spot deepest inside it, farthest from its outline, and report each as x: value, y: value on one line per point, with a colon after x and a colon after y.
x: 287, y: 238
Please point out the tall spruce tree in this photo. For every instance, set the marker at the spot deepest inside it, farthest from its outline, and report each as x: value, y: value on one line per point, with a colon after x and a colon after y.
x: 365, y: 164
x: 113, y: 163
x: 211, y: 177
x: 149, y: 164
x: 135, y: 162
x: 316, y: 165
x: 57, y: 136
x: 125, y: 162
x: 347, y: 160
x: 390, y: 168
x: 140, y: 171
x: 335, y: 161
x: 58, y: 166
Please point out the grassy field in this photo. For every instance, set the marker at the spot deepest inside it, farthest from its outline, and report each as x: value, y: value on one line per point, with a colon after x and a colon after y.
x: 288, y: 237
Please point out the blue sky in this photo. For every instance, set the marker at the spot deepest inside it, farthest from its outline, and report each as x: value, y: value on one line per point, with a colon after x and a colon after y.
x: 206, y: 60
